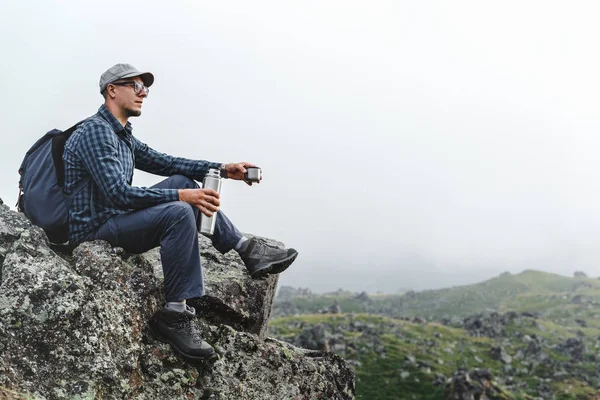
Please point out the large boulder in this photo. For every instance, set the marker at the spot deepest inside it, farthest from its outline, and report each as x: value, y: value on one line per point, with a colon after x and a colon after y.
x: 74, y: 325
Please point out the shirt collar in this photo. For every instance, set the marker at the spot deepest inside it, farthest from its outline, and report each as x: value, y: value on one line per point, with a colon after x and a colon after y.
x: 114, y: 123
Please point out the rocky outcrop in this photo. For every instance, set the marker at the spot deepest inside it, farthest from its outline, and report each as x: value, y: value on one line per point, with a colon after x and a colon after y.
x: 74, y: 326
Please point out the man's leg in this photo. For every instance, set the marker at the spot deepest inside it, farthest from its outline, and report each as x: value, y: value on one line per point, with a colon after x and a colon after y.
x: 173, y: 227
x: 259, y: 258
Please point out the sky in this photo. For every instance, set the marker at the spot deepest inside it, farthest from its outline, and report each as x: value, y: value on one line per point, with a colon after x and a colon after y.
x: 404, y: 145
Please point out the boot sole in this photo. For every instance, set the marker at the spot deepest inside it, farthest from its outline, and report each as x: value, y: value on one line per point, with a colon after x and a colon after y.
x: 275, y: 267
x: 163, y: 339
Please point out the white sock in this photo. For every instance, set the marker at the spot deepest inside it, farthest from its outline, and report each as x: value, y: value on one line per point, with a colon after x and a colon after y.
x: 178, y: 306
x: 239, y: 244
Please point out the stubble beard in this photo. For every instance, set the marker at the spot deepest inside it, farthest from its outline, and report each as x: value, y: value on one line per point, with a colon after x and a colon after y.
x: 133, y: 113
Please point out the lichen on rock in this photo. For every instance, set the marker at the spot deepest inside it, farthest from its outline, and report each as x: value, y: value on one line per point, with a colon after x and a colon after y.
x: 74, y: 326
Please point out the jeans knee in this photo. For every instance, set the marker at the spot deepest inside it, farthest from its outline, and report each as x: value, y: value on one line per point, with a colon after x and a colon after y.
x: 184, y: 182
x: 179, y: 211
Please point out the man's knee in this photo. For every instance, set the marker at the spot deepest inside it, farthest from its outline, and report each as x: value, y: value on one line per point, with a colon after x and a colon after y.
x: 179, y: 211
x: 183, y: 182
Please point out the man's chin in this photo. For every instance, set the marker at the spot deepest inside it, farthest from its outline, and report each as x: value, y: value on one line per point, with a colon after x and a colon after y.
x: 134, y: 113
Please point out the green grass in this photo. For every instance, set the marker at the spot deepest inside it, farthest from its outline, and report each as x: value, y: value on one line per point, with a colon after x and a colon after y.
x: 549, y: 296
x: 445, y: 349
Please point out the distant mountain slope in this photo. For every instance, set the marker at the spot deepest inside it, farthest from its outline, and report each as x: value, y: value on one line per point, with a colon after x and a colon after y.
x: 553, y: 295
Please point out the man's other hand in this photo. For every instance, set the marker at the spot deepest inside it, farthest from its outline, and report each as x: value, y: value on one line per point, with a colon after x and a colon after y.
x: 207, y: 200
x: 237, y: 170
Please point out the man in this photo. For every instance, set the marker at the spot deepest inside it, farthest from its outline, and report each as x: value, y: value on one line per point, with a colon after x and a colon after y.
x: 99, y: 161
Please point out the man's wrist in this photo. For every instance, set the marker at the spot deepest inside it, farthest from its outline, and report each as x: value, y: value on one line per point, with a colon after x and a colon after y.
x: 223, y: 171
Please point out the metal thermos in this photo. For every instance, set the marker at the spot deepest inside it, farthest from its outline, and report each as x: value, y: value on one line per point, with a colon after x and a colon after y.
x: 212, y: 180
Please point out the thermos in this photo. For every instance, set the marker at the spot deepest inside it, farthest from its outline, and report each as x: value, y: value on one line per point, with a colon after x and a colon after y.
x: 212, y: 180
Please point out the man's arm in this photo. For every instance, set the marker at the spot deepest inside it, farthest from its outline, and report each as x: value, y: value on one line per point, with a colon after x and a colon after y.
x: 99, y: 152
x: 149, y: 160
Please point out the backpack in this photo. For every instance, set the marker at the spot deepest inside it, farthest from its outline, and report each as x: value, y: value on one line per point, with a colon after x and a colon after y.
x: 41, y: 187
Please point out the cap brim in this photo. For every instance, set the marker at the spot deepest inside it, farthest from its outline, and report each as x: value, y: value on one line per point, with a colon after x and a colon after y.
x: 147, y: 77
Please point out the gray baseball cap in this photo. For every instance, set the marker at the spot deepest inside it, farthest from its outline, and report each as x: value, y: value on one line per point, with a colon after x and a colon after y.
x: 121, y: 71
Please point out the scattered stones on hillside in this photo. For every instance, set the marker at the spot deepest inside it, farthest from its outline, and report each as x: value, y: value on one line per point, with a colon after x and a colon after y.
x: 286, y: 307
x: 331, y: 337
x: 332, y: 309
x: 477, y: 384
x: 288, y: 292
x: 553, y: 344
x: 574, y: 348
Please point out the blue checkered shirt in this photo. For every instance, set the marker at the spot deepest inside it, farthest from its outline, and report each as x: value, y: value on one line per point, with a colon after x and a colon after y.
x: 100, y: 157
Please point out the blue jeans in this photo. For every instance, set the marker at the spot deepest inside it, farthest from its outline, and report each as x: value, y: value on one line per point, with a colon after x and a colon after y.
x: 174, y: 227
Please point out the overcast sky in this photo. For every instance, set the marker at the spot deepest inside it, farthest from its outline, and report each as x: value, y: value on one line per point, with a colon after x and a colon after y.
x: 404, y: 144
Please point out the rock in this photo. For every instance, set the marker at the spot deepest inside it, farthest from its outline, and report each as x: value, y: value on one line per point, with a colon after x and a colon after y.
x: 579, y: 274
x: 314, y: 338
x: 498, y: 353
x: 363, y: 297
x: 439, y: 379
x: 476, y: 385
x: 577, y: 299
x: 75, y: 327
x: 335, y: 308
x: 574, y: 348
x: 582, y: 323
x: 489, y: 324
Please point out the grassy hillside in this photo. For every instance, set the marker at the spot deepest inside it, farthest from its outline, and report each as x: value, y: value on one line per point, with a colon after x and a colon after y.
x: 537, y: 333
x: 407, y: 360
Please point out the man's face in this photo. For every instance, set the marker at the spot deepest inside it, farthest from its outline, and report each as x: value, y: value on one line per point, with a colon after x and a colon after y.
x: 127, y: 98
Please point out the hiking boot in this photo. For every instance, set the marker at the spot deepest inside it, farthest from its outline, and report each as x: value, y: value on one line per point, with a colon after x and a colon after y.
x: 262, y: 259
x: 179, y: 329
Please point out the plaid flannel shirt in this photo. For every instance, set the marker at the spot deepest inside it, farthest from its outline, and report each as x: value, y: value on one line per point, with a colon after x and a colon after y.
x: 99, y: 159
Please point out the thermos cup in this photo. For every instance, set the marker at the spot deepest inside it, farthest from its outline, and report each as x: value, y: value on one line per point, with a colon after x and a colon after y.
x: 252, y: 174
x: 212, y: 180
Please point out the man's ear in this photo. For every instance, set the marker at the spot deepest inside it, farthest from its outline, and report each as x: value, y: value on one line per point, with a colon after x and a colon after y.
x: 111, y: 91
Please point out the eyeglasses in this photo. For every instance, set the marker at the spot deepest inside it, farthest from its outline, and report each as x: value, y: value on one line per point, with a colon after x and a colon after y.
x: 138, y: 88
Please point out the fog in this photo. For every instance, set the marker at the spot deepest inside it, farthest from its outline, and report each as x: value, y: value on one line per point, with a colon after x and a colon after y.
x: 403, y: 144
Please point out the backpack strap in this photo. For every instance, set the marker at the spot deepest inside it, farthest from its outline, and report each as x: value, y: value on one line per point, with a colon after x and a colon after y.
x: 58, y: 148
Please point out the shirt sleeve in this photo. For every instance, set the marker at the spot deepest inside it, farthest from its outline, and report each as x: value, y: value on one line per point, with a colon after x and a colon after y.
x: 99, y: 153
x: 149, y: 160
